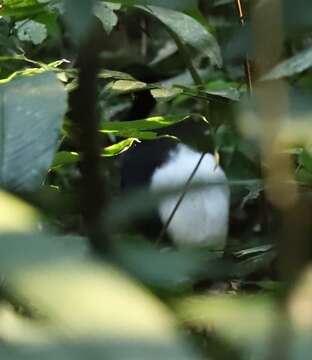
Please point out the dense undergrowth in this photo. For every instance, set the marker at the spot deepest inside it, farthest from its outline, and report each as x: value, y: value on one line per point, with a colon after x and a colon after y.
x: 74, y: 282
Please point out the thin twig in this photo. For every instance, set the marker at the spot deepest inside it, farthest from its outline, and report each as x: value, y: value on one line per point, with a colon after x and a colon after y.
x: 247, y: 64
x: 182, y: 196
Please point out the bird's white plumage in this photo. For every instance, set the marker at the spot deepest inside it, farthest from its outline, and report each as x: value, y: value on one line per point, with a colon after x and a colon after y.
x: 202, y: 217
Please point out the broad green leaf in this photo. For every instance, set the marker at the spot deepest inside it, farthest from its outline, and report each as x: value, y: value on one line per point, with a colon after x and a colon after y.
x: 298, y: 63
x: 16, y: 215
x: 31, y: 30
x: 31, y: 115
x: 155, y: 122
x: 188, y: 30
x: 106, y: 15
x: 119, y: 147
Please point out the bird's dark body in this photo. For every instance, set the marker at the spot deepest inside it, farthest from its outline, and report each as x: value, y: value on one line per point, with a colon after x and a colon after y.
x: 139, y: 163
x: 137, y: 168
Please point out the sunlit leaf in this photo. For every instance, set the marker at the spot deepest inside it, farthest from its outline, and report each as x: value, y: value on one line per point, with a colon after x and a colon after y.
x: 151, y: 123
x: 117, y: 75
x: 119, y: 147
x: 166, y: 93
x: 30, y: 71
x: 126, y: 85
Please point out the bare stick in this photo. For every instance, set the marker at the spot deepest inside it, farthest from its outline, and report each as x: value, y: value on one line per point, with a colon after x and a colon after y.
x: 182, y: 196
x: 247, y: 64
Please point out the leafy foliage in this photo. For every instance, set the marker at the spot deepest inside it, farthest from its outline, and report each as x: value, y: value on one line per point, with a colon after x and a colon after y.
x: 175, y: 69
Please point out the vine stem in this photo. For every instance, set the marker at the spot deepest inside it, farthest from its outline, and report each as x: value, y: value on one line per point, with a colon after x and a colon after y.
x: 182, y: 196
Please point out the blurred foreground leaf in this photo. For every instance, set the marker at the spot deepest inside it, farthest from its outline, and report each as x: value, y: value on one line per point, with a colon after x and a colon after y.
x: 87, y: 305
x: 247, y: 322
x: 168, y: 269
x: 298, y: 63
x: 16, y: 215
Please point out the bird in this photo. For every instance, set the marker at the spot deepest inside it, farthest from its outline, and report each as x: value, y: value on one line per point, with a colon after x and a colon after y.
x: 202, y: 217
x: 201, y: 220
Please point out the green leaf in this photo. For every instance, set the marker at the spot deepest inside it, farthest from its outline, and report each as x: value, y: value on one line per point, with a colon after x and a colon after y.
x: 172, y: 4
x: 296, y: 64
x: 120, y: 128
x: 166, y: 93
x: 30, y: 30
x: 41, y: 67
x: 188, y: 30
x: 63, y: 158
x: 305, y: 160
x: 21, y: 8
x: 106, y: 15
x: 116, y: 75
x: 304, y: 176
x: 123, y: 86
x: 31, y: 115
x: 119, y: 147
x: 19, y: 3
